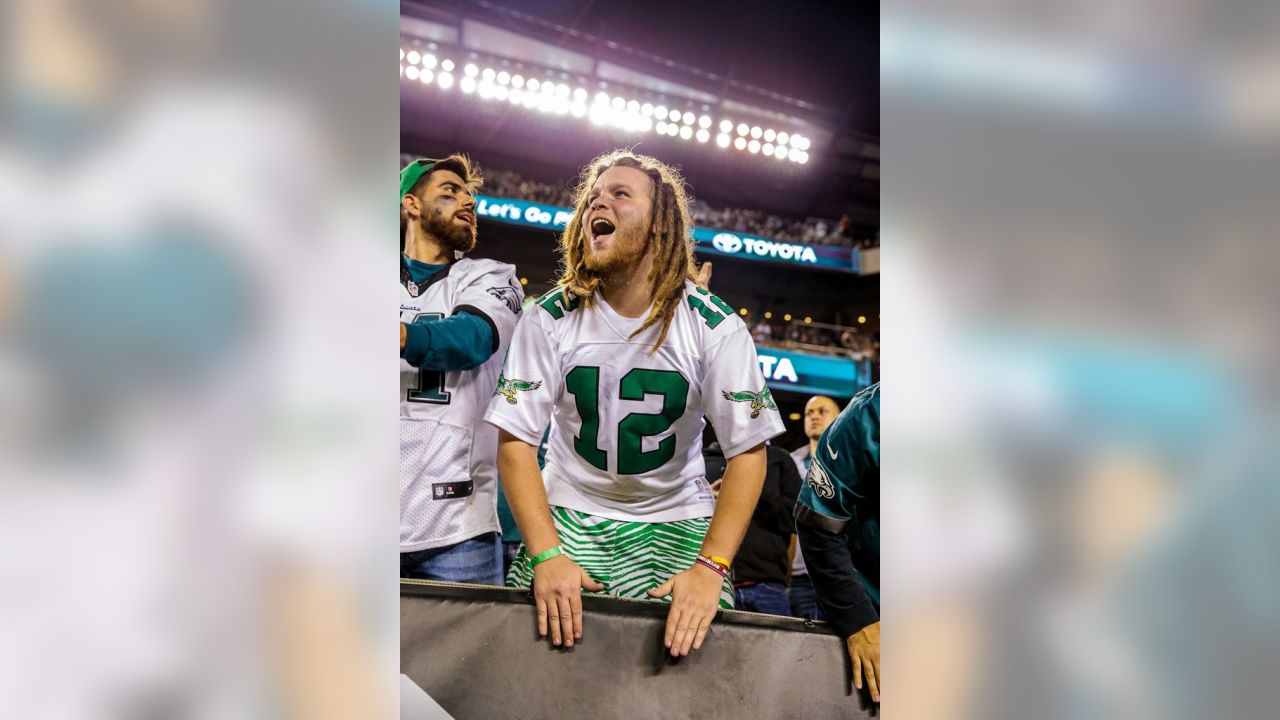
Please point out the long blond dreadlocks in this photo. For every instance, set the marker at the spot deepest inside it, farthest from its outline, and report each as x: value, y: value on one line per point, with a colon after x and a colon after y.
x: 669, y: 238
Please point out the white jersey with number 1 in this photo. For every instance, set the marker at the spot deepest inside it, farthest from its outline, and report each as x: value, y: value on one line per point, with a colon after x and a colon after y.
x: 448, y: 474
x: 626, y: 422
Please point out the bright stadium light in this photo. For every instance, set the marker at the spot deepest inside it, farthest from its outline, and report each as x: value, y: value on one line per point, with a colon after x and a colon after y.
x: 500, y: 92
x: 767, y: 148
x: 633, y: 107
x: 643, y: 124
x: 517, y: 96
x: 795, y: 141
x: 504, y: 77
x: 578, y: 109
x: 672, y: 129
x: 618, y: 103
x: 599, y: 115
x: 783, y: 138
x: 794, y: 155
x: 428, y: 61
x: 533, y: 84
x: 411, y: 72
x: 674, y: 115
x: 686, y: 132
x: 703, y: 135
x: 467, y: 84
x: 485, y: 90
x: 446, y: 65
x: 753, y: 146
x: 660, y: 112
x: 722, y: 140
x: 740, y: 143
x: 769, y: 135
x: 444, y: 80
x: 804, y: 157
x: 646, y: 110
x: 427, y: 76
x: 602, y: 98
x: 488, y: 74
x: 562, y: 91
x: 755, y: 132
x: 470, y: 70
x: 661, y: 127
x: 579, y: 94
x: 548, y: 88
x: 688, y: 118
x: 413, y: 57
x: 726, y: 126
x: 780, y: 152
x: 804, y: 143
x: 517, y: 81
x: 704, y: 122
x: 743, y: 129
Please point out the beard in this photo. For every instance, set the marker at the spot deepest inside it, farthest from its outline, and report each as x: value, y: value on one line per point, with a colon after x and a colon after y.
x: 451, y: 236
x: 625, y: 252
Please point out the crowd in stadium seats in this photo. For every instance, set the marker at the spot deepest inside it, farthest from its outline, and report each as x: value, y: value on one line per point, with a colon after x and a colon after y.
x: 836, y: 340
x: 506, y: 183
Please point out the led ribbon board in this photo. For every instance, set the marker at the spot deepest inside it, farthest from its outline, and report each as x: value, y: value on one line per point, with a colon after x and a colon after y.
x: 813, y: 374
x: 709, y: 241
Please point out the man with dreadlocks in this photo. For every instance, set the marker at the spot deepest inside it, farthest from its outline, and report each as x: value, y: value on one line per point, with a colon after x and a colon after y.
x: 625, y: 359
x: 456, y: 318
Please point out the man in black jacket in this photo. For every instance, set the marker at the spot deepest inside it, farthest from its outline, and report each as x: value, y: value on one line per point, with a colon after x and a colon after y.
x: 761, y: 567
x: 838, y: 522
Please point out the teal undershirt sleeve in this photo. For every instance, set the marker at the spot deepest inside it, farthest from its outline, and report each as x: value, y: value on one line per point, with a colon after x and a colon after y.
x: 460, y: 342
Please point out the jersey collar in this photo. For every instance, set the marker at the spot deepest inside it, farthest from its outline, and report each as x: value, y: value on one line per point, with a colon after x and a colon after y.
x: 416, y: 289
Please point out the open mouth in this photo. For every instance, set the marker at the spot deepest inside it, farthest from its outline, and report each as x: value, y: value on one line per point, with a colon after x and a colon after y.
x: 468, y: 218
x: 601, y: 228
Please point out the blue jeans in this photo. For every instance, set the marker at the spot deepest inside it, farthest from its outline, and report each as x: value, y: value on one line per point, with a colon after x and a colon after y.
x: 804, y: 601
x: 509, y: 550
x: 478, y: 560
x: 768, y: 598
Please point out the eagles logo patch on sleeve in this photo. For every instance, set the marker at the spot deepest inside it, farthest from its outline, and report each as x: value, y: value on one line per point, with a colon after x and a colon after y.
x: 762, y: 400
x: 509, y: 388
x: 509, y: 294
x: 821, y: 484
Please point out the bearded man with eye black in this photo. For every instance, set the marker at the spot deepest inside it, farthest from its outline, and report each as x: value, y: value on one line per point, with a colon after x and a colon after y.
x: 456, y: 320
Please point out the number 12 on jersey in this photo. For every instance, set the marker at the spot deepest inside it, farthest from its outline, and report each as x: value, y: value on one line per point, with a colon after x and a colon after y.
x: 583, y: 383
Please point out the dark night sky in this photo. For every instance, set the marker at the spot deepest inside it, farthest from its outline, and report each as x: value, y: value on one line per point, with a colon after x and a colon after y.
x: 826, y: 53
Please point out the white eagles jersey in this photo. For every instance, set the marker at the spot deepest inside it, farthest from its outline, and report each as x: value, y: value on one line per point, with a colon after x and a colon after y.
x: 626, y: 424
x: 448, y: 473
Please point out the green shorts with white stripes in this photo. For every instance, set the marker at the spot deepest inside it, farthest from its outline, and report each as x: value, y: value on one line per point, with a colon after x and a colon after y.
x: 628, y: 557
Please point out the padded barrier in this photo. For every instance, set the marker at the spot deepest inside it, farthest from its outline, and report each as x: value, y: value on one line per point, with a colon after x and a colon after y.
x: 475, y: 650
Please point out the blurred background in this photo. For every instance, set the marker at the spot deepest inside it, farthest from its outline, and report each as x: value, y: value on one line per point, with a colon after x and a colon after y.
x: 197, y: 483
x: 1079, y: 464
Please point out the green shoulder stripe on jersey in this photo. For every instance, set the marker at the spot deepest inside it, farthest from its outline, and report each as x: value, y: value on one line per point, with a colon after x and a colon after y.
x: 559, y: 302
